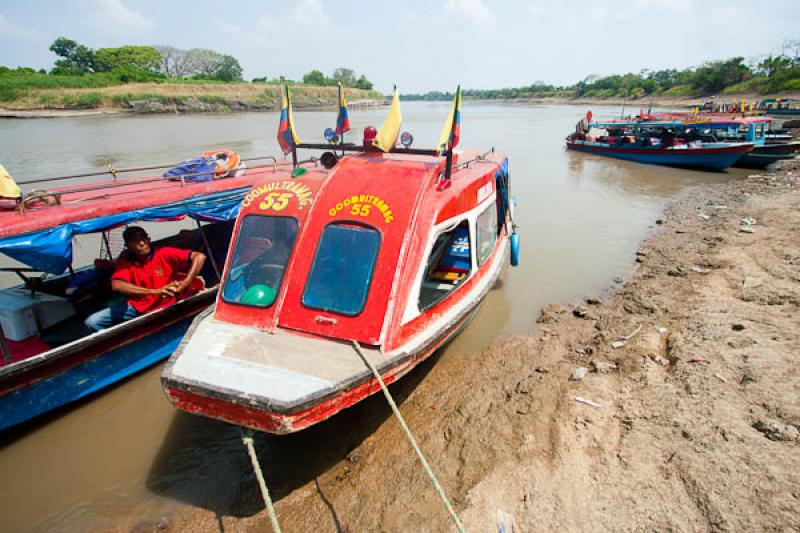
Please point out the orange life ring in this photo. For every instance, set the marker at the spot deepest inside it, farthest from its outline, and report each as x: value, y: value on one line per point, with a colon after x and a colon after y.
x: 227, y: 161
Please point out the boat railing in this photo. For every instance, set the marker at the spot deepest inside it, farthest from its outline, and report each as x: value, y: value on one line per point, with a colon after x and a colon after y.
x: 53, y: 197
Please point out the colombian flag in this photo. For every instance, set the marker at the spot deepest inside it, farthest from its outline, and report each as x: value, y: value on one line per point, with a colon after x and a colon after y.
x: 287, y: 138
x: 387, y: 135
x: 451, y: 132
x: 342, y: 121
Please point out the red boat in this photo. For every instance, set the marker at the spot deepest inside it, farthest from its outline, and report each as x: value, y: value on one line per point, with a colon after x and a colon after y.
x: 47, y: 356
x: 393, y: 250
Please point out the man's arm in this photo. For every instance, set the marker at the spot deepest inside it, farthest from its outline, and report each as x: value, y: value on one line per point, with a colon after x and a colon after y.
x: 197, y: 259
x: 129, y: 289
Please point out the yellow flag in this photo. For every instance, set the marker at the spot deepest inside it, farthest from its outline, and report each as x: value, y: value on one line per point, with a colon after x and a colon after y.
x: 387, y: 134
x: 8, y: 187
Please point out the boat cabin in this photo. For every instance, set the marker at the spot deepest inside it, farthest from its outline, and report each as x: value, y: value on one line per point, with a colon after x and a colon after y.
x: 360, y: 251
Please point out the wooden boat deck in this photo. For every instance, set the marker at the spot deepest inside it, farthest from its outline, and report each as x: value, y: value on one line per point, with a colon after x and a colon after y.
x: 278, y: 367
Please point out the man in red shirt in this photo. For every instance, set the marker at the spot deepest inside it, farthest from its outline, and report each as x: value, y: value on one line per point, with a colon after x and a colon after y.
x: 147, y: 277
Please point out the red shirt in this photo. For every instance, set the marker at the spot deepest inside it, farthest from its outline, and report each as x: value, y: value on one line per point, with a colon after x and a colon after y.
x: 156, y: 271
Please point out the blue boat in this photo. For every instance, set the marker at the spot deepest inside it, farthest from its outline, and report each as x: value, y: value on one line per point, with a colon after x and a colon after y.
x: 752, y: 129
x: 48, y: 358
x: 655, y: 143
x: 779, y: 107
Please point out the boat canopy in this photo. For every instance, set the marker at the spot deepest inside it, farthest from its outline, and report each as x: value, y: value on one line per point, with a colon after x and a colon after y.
x: 723, y: 122
x: 649, y: 124
x: 50, y: 250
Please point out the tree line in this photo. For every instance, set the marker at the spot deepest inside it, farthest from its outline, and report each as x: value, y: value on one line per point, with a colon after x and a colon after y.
x: 124, y: 64
x: 773, y: 73
x: 144, y: 63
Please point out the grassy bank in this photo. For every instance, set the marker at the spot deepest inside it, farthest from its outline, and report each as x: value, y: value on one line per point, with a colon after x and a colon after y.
x: 164, y: 97
x: 648, y: 100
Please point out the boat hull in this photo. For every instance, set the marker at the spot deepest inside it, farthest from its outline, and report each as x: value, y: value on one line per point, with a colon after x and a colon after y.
x: 262, y: 418
x: 62, y: 376
x: 765, y: 155
x: 700, y: 158
x: 266, y: 414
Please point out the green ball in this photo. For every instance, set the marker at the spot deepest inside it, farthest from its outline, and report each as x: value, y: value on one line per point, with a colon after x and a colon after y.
x: 259, y: 295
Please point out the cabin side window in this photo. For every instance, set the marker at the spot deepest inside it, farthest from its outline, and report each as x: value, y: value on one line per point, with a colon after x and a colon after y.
x: 448, y: 266
x: 342, y: 271
x: 486, y: 233
x: 259, y: 260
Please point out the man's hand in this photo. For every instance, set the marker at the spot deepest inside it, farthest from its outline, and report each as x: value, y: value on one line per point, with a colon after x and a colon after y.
x: 172, y: 288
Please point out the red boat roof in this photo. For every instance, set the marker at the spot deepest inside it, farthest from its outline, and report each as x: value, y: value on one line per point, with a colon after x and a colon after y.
x: 398, y: 195
x: 93, y: 200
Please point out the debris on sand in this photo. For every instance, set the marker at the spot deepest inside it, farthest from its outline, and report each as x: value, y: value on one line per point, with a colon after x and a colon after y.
x: 603, y: 367
x: 623, y: 340
x: 581, y: 399
x: 550, y: 314
x: 579, y: 373
x: 777, y: 431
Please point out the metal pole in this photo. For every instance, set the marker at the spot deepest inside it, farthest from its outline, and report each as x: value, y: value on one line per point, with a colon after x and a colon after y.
x: 108, y: 245
x: 448, y: 164
x: 208, y: 249
x: 4, y: 347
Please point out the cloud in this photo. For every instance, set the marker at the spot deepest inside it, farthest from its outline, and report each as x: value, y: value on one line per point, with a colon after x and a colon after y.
x: 473, y: 11
x: 266, y: 23
x: 679, y: 6
x: 113, y: 15
x: 309, y: 12
x: 17, y: 32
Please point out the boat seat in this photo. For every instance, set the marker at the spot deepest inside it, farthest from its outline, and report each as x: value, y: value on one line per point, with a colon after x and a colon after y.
x: 454, y: 261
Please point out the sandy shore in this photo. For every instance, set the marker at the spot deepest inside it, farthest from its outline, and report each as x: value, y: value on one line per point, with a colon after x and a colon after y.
x: 690, y: 401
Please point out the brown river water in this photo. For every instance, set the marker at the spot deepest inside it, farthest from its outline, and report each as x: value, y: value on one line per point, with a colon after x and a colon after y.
x: 127, y: 456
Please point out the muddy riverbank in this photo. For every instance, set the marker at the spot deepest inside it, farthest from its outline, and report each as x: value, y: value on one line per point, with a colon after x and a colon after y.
x: 695, y: 419
x: 172, y: 98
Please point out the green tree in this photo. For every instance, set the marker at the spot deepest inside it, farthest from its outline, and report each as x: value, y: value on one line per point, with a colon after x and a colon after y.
x: 144, y: 58
x: 77, y: 58
x: 315, y: 77
x: 228, y: 69
x: 364, y: 83
x: 714, y: 76
x: 773, y: 66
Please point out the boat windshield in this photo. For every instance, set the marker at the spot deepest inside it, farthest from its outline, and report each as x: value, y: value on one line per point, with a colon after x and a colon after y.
x: 342, y: 270
x: 259, y: 260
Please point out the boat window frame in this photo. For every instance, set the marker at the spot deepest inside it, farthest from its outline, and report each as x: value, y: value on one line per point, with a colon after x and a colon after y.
x: 470, y: 224
x: 367, y: 289
x: 494, y: 234
x: 232, y: 251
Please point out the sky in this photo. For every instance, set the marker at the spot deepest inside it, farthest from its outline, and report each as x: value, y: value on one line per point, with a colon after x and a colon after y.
x: 418, y: 45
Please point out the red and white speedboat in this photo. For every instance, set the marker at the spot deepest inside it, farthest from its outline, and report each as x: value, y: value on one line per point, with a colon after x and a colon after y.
x: 394, y: 250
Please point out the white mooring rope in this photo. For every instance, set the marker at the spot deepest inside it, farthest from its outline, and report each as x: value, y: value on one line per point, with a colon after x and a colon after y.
x: 411, y: 438
x: 247, y: 440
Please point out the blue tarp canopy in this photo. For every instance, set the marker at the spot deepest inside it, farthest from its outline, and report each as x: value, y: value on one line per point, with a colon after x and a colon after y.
x: 50, y: 250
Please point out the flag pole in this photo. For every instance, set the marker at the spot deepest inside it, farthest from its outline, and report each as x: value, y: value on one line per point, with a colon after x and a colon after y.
x: 289, y: 117
x: 448, y: 168
x: 341, y: 96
